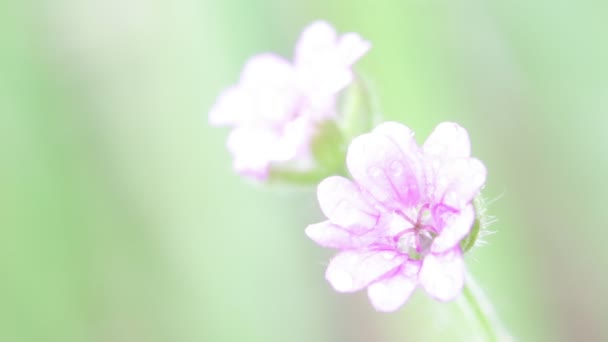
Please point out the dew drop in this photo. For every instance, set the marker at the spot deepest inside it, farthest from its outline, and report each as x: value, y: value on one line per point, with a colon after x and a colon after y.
x: 396, y: 168
x: 375, y: 172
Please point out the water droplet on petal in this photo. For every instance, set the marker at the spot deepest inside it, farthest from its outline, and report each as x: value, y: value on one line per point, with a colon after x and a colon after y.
x: 396, y: 168
x: 375, y: 172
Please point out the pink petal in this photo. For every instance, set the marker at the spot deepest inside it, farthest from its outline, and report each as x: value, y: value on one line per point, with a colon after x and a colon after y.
x: 386, y: 163
x: 252, y: 148
x: 400, y: 134
x: 256, y: 146
x: 295, y: 141
x: 267, y: 69
x: 353, y: 270
x: 442, y: 275
x: 448, y: 140
x: 320, y: 63
x: 267, y: 91
x: 330, y: 235
x: 352, y: 47
x: 324, y: 79
x: 342, y: 202
x: 455, y: 182
x: 319, y: 108
x: 316, y: 38
x: 455, y: 229
x: 232, y: 107
x: 270, y: 82
x: 390, y: 294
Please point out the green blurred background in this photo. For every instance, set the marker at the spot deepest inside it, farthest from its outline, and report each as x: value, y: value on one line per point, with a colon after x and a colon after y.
x: 122, y: 220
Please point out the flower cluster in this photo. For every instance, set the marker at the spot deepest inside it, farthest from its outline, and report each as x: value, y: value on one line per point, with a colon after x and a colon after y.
x: 400, y: 223
x: 277, y: 106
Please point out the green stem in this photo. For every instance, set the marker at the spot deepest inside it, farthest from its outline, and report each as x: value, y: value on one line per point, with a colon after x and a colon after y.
x: 476, y: 304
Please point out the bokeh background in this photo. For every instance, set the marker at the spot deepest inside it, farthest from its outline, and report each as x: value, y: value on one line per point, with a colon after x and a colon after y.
x: 122, y: 220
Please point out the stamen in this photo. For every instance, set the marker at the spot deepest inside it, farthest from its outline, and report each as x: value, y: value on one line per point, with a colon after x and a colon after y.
x: 423, y: 210
x: 397, y: 237
x: 398, y: 211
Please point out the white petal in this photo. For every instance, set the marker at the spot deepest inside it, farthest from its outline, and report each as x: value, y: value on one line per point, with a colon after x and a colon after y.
x: 352, y: 47
x: 353, y: 270
x: 330, y: 235
x: 400, y: 134
x: 252, y: 149
x: 387, y: 164
x: 442, y: 275
x: 455, y: 228
x: 270, y: 83
x: 267, y: 70
x: 316, y: 38
x: 455, y: 182
x: 319, y: 62
x: 448, y: 140
x: 233, y: 107
x: 342, y: 202
x: 389, y: 294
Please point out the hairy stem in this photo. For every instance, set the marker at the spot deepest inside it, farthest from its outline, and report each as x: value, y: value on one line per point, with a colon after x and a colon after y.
x: 477, y: 306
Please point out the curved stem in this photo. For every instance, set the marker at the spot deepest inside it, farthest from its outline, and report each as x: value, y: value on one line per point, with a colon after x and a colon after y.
x: 478, y: 306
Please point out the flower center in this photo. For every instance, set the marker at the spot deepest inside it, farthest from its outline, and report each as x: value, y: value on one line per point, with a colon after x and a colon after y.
x: 415, y: 237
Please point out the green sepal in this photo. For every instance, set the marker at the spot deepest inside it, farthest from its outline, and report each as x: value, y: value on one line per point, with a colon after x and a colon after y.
x: 329, y: 148
x: 357, y: 114
x: 295, y: 177
x: 330, y: 144
x: 469, y: 241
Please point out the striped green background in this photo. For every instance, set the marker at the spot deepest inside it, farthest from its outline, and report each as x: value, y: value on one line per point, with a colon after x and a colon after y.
x: 121, y: 219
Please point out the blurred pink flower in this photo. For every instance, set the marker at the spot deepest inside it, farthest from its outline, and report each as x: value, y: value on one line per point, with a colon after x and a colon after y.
x: 276, y: 106
x: 399, y: 224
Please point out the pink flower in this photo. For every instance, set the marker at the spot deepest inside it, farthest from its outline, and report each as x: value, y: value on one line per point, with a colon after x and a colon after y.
x: 277, y: 105
x: 399, y: 224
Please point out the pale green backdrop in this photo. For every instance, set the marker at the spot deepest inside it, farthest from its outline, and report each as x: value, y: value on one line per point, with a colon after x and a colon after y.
x: 122, y: 220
